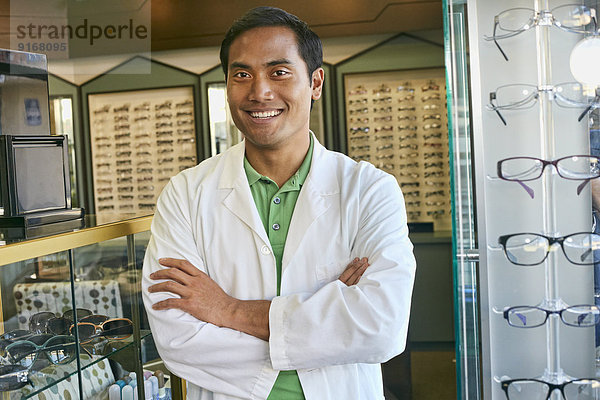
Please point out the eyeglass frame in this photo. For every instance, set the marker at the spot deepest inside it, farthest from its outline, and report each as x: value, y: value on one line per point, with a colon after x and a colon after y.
x: 41, y: 348
x: 18, y: 373
x: 551, y: 241
x: 535, y: 96
x: 70, y: 312
x: 545, y: 163
x: 536, y: 18
x: 101, y: 327
x: 551, y: 386
x: 507, y: 310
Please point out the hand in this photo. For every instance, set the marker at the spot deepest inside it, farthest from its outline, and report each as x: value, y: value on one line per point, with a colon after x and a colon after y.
x: 354, y: 271
x: 200, y: 296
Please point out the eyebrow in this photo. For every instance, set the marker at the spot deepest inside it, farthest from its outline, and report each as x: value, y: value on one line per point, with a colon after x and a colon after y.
x: 236, y: 64
x: 272, y: 63
x: 279, y: 62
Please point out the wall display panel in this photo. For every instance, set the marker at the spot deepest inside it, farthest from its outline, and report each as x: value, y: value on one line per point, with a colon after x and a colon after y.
x: 397, y: 120
x: 538, y: 248
x: 139, y: 140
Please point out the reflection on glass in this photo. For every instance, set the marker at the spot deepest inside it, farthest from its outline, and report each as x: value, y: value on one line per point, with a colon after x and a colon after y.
x: 223, y: 133
x: 61, y: 123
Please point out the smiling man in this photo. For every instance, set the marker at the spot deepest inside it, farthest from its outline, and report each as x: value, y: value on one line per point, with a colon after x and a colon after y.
x: 278, y: 269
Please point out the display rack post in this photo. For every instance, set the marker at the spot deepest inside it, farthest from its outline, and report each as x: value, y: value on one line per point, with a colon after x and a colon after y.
x: 542, y: 32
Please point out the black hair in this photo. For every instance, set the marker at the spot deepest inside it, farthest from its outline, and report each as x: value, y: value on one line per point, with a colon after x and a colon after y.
x: 309, y: 44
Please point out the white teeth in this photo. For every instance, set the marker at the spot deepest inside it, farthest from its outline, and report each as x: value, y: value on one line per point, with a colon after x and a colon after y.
x: 265, y: 114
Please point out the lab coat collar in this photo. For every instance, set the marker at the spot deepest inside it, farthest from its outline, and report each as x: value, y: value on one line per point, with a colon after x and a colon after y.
x: 319, y: 178
x: 317, y: 195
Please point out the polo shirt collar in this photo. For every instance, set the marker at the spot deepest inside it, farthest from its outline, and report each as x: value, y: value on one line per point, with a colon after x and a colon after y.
x: 296, y: 180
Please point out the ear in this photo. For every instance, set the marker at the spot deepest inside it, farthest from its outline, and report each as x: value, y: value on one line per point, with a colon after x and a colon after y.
x: 317, y: 83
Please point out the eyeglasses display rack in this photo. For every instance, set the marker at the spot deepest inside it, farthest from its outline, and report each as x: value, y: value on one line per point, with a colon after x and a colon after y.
x: 534, y: 173
x: 398, y: 122
x: 139, y: 140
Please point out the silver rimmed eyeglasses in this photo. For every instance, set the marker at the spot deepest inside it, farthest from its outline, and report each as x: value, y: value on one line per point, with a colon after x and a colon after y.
x: 523, y: 96
x: 575, y: 18
x: 523, y: 169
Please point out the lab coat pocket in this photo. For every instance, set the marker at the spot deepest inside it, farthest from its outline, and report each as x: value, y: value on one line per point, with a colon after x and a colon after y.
x: 328, y: 273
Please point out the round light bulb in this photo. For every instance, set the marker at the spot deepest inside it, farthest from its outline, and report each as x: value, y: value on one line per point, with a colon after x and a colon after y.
x: 584, y: 61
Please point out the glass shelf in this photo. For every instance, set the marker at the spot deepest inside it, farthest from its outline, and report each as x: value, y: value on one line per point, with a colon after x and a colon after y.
x: 123, y: 345
x: 97, y: 268
x: 13, y: 235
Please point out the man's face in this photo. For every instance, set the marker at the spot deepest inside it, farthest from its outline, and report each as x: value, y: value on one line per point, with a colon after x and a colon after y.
x: 268, y: 88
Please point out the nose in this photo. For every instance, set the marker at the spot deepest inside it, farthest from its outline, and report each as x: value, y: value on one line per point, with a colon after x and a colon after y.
x: 260, y: 89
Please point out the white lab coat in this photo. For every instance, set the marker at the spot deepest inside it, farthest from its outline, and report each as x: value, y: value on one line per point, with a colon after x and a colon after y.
x: 334, y: 336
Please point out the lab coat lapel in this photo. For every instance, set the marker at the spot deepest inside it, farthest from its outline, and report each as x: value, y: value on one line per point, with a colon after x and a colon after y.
x: 239, y: 200
x: 316, y: 197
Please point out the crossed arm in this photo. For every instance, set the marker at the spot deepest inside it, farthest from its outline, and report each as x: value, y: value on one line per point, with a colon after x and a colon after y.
x: 204, y: 299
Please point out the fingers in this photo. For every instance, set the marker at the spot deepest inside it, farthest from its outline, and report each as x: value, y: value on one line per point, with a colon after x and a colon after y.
x: 169, y: 304
x: 349, y: 270
x: 358, y: 273
x: 174, y: 274
x: 354, y: 271
x: 168, y: 286
x: 183, y: 265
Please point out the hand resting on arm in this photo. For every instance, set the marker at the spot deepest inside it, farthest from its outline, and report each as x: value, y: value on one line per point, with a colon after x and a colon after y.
x: 202, y: 297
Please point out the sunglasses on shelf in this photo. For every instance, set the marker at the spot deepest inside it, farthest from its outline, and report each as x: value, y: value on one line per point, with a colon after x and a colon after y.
x: 58, y: 349
x: 100, y: 326
x: 13, y: 377
x: 49, y: 322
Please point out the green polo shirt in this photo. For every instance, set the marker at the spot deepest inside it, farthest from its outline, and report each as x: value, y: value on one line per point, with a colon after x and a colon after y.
x: 275, y: 206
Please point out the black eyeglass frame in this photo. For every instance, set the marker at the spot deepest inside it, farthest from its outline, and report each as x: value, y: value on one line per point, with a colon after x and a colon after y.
x: 551, y: 386
x: 507, y: 311
x: 502, y: 240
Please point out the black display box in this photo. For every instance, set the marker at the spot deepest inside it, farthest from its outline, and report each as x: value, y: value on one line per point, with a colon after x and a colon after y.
x: 35, y: 186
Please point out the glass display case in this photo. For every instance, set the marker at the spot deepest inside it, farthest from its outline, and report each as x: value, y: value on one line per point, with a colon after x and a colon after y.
x: 525, y: 282
x: 72, y: 319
